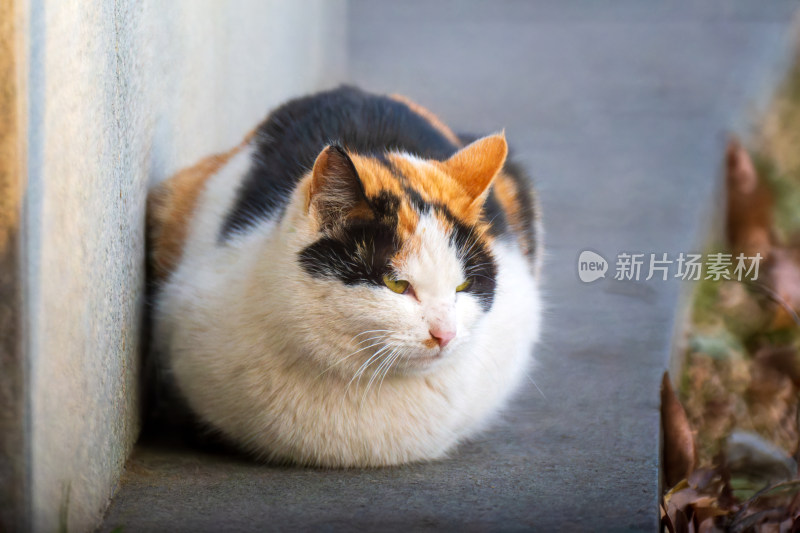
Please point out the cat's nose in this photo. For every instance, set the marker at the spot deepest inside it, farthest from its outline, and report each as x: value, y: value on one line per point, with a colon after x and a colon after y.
x: 443, y: 336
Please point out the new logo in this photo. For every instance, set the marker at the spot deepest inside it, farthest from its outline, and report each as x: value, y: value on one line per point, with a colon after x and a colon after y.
x: 591, y: 266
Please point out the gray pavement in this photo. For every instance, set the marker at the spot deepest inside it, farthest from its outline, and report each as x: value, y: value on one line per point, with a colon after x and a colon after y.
x: 620, y: 110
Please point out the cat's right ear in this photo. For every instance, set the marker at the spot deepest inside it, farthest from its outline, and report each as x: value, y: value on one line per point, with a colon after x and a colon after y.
x: 336, y: 191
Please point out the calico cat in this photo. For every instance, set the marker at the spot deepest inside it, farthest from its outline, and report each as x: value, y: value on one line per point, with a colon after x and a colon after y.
x: 353, y: 285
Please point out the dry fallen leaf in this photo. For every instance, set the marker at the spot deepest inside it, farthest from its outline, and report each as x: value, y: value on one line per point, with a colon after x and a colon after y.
x: 666, y: 521
x: 784, y: 359
x: 749, y: 215
x: 680, y: 455
x: 708, y: 526
x: 695, y: 507
x: 682, y: 524
x: 783, y: 276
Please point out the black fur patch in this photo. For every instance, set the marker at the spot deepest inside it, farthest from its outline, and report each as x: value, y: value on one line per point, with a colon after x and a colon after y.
x: 385, y: 207
x: 526, y: 202
x: 359, y: 253
x: 478, y: 261
x: 494, y: 215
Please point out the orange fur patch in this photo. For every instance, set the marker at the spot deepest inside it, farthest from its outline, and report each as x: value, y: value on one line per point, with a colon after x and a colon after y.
x: 475, y: 166
x: 170, y: 206
x: 462, y: 182
x: 432, y: 183
x: 431, y: 343
x: 377, y: 178
x: 432, y: 119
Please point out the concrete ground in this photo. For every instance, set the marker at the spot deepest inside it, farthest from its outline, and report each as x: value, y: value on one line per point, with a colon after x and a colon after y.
x: 620, y: 110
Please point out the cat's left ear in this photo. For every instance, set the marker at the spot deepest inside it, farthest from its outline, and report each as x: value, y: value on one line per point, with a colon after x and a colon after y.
x: 336, y: 190
x: 476, y: 165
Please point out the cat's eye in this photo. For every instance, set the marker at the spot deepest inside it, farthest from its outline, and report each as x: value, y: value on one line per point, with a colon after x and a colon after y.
x: 400, y: 286
x: 464, y: 286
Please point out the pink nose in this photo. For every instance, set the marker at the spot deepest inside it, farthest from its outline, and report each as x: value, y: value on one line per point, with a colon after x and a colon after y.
x: 443, y: 337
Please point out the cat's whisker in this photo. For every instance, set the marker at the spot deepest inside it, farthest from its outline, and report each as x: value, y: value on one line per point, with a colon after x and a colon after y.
x: 387, y: 363
x: 382, y: 341
x: 361, y: 374
x: 343, y: 359
x: 465, y: 254
x: 365, y: 365
x: 488, y: 226
x: 369, y: 339
x: 376, y: 372
x: 471, y: 256
x: 369, y: 384
x: 535, y: 385
x: 476, y: 240
x: 481, y: 276
x: 475, y: 267
x: 483, y: 230
x: 462, y: 253
x: 399, y: 353
x: 469, y: 237
x: 369, y: 331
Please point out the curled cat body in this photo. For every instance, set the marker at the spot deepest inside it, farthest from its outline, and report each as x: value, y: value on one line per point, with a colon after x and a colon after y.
x: 353, y: 285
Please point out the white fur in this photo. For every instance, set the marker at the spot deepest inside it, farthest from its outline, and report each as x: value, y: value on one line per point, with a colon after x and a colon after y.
x: 269, y: 355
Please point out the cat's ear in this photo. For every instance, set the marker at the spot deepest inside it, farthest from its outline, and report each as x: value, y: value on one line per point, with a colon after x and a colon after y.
x: 476, y: 165
x: 336, y: 190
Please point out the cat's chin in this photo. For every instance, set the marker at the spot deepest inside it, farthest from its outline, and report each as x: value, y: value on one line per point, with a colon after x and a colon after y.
x: 424, y: 362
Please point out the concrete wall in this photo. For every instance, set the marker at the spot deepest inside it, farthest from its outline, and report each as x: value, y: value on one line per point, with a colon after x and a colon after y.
x: 121, y: 94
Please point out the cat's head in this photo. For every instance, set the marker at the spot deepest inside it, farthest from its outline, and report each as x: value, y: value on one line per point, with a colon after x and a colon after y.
x: 402, y: 258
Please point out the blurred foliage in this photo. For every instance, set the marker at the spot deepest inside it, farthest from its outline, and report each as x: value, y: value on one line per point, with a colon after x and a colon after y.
x: 741, y: 374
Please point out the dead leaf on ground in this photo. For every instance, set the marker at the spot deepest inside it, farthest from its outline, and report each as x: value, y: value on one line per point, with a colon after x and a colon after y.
x: 783, y: 277
x: 783, y: 359
x: 749, y: 214
x: 680, y: 455
x: 700, y: 508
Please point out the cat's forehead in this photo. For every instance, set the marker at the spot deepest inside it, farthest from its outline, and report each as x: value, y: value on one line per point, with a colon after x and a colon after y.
x: 402, y: 173
x: 411, y: 188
